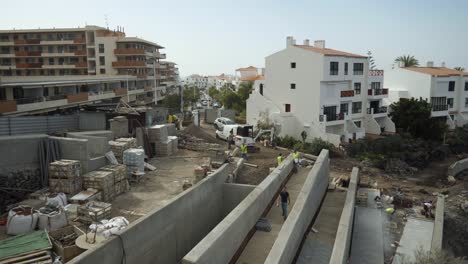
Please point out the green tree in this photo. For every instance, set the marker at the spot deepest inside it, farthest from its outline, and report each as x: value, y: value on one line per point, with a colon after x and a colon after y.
x: 459, y: 69
x: 245, y: 88
x: 172, y: 101
x: 408, y: 61
x: 371, y: 60
x: 414, y: 116
x: 214, y: 93
x: 191, y: 94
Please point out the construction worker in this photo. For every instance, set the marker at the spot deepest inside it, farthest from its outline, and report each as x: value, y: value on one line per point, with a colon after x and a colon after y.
x: 230, y: 138
x: 284, y: 198
x: 169, y: 119
x: 296, y: 160
x: 243, y: 149
x: 279, y: 159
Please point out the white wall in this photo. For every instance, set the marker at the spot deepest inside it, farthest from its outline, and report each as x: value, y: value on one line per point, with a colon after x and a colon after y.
x: 417, y: 84
x: 109, y: 45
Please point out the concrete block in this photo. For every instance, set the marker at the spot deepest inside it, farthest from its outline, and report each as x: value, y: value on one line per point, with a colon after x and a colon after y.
x: 73, y: 148
x: 437, y: 235
x: 92, y: 121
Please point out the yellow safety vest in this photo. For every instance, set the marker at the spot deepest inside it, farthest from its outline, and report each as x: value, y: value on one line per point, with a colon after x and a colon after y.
x: 296, y: 155
x: 243, y: 149
x: 279, y: 159
x: 169, y: 119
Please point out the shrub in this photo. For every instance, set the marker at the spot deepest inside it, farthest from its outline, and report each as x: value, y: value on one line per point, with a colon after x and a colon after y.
x: 432, y: 257
x: 317, y: 145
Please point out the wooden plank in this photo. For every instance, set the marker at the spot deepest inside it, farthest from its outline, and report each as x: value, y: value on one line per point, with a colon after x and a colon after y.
x: 23, y: 257
x: 34, y: 260
x: 251, y: 165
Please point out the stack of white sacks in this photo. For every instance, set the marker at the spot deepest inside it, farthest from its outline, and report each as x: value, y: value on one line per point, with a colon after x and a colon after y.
x: 134, y: 159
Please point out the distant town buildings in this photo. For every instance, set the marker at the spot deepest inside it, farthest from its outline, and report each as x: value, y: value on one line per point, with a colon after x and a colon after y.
x: 205, y: 82
x: 446, y: 89
x: 327, y: 93
x: 42, y: 70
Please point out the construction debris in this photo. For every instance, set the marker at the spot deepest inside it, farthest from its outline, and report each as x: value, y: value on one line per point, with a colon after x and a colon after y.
x: 94, y: 212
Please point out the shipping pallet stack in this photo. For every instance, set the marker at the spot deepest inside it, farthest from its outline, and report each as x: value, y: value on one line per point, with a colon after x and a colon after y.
x: 119, y: 173
x: 120, y: 145
x: 65, y: 176
x: 103, y: 181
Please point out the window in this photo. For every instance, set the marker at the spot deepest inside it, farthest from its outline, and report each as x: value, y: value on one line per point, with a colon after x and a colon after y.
x: 346, y: 68
x: 102, y: 60
x: 333, y: 68
x: 18, y: 93
x: 293, y: 65
x: 56, y: 90
x: 293, y: 86
x: 51, y: 61
x: 357, y: 88
x: 357, y: 123
x: 358, y: 68
x: 51, y: 49
x: 261, y: 88
x: 101, y: 48
x: 357, y: 107
x: 344, y: 108
x: 375, y: 85
x: 287, y: 108
x: 3, y: 94
x: 102, y: 71
x: 450, y: 102
x: 45, y: 92
x: 451, y: 86
x: 466, y: 102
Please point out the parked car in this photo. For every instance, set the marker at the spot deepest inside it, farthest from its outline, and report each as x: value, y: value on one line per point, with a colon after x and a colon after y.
x: 220, y: 122
x: 215, y: 104
x: 199, y: 105
x: 204, y: 103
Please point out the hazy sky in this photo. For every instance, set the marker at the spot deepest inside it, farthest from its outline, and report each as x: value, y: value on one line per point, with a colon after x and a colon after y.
x: 212, y: 37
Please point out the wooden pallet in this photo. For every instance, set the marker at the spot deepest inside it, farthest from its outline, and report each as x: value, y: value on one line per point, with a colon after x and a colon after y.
x: 37, y: 257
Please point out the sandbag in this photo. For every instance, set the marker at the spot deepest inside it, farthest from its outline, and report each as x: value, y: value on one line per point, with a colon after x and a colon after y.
x: 57, y: 199
x: 21, y: 220
x: 52, y: 220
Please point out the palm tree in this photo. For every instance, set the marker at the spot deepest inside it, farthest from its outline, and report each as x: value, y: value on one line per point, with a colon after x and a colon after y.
x: 408, y: 61
x: 459, y: 69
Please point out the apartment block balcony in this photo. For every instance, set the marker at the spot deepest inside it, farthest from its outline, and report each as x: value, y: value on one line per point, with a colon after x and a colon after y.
x: 439, y: 110
x: 129, y: 51
x: 333, y: 119
x: 28, y: 53
x: 79, y: 97
x: 347, y: 93
x: 27, y: 41
x: 7, y: 106
x: 82, y: 64
x: 29, y: 65
x: 80, y: 53
x: 128, y: 64
x: 162, y: 56
x: 79, y: 40
x: 120, y: 91
x: 377, y: 111
x: 377, y: 93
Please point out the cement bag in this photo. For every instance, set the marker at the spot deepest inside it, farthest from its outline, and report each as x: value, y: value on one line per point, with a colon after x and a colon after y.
x: 59, y: 199
x: 21, y: 220
x: 111, y: 158
x: 52, y: 220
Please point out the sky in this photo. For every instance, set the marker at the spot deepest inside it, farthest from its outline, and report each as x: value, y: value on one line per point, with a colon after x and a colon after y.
x: 212, y: 37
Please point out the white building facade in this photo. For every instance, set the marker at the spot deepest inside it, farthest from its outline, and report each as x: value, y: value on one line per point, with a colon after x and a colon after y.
x: 446, y: 89
x: 325, y: 92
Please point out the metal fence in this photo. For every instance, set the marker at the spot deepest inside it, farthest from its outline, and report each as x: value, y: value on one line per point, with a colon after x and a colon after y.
x: 37, y: 124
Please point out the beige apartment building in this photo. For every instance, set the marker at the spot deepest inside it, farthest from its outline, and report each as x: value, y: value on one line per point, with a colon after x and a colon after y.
x: 42, y: 70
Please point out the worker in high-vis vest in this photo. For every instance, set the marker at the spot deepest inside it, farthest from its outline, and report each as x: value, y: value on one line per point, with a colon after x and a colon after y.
x: 169, y: 119
x: 279, y: 159
x: 243, y: 149
x: 296, y: 160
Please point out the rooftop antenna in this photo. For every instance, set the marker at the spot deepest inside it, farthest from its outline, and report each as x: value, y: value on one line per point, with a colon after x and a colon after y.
x: 106, y: 19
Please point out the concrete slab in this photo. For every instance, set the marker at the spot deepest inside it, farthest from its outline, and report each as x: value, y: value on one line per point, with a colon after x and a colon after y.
x: 260, y: 244
x: 417, y: 234
x: 318, y: 246
x: 367, y: 242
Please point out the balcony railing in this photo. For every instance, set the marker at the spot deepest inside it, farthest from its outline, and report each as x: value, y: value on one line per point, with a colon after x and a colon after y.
x: 27, y: 53
x: 80, y: 52
x: 27, y: 41
x: 56, y: 97
x: 348, y: 93
x: 436, y: 108
x: 120, y: 91
x: 79, y: 40
x: 28, y: 65
x: 129, y: 51
x: 375, y: 92
x: 82, y: 64
x: 329, y: 118
x: 30, y: 100
x: 128, y: 64
x: 80, y: 97
x: 377, y: 110
x: 7, y: 106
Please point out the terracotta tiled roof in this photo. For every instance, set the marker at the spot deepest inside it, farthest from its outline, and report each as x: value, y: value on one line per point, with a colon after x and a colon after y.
x: 253, y: 78
x: 250, y: 68
x: 329, y: 52
x: 437, y: 71
x: 376, y: 72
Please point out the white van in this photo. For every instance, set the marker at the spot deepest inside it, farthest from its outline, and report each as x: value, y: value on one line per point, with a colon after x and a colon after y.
x: 242, y: 134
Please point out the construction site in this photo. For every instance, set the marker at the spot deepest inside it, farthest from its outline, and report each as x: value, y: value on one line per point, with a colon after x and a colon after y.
x: 110, y: 191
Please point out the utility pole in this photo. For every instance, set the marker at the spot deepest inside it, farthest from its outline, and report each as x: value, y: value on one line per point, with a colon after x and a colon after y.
x: 154, y: 78
x: 128, y: 90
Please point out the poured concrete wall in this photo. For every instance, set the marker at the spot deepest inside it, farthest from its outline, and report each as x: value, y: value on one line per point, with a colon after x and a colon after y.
x: 92, y: 121
x: 220, y: 245
x: 342, y: 244
x: 165, y: 235
x: 306, y: 206
x: 19, y: 152
x: 458, y: 167
x: 233, y: 194
x: 98, y: 141
x: 438, y: 232
x: 210, y: 115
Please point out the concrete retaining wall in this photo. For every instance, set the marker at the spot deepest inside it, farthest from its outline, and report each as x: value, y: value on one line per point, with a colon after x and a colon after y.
x: 233, y: 194
x: 220, y: 245
x: 342, y: 244
x: 165, y: 235
x: 98, y: 141
x: 306, y: 206
x: 229, y: 113
x: 210, y: 115
x: 437, y: 234
x: 458, y: 167
x: 19, y: 152
x: 92, y: 121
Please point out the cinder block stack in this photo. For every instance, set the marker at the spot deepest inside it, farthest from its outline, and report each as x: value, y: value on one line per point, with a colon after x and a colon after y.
x: 134, y: 159
x: 120, y: 145
x: 157, y: 133
x: 65, y: 176
x: 171, y: 130
x: 120, y: 177
x: 101, y: 180
x: 159, y: 136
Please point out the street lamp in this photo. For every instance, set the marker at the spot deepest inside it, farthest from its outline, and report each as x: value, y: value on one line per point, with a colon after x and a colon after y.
x: 128, y: 89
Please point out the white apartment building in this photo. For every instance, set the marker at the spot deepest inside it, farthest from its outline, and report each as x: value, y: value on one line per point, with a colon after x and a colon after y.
x: 201, y: 82
x: 328, y: 93
x: 44, y: 70
x: 446, y: 89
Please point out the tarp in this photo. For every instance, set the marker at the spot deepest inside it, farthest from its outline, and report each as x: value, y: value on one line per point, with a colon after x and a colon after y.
x: 21, y: 244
